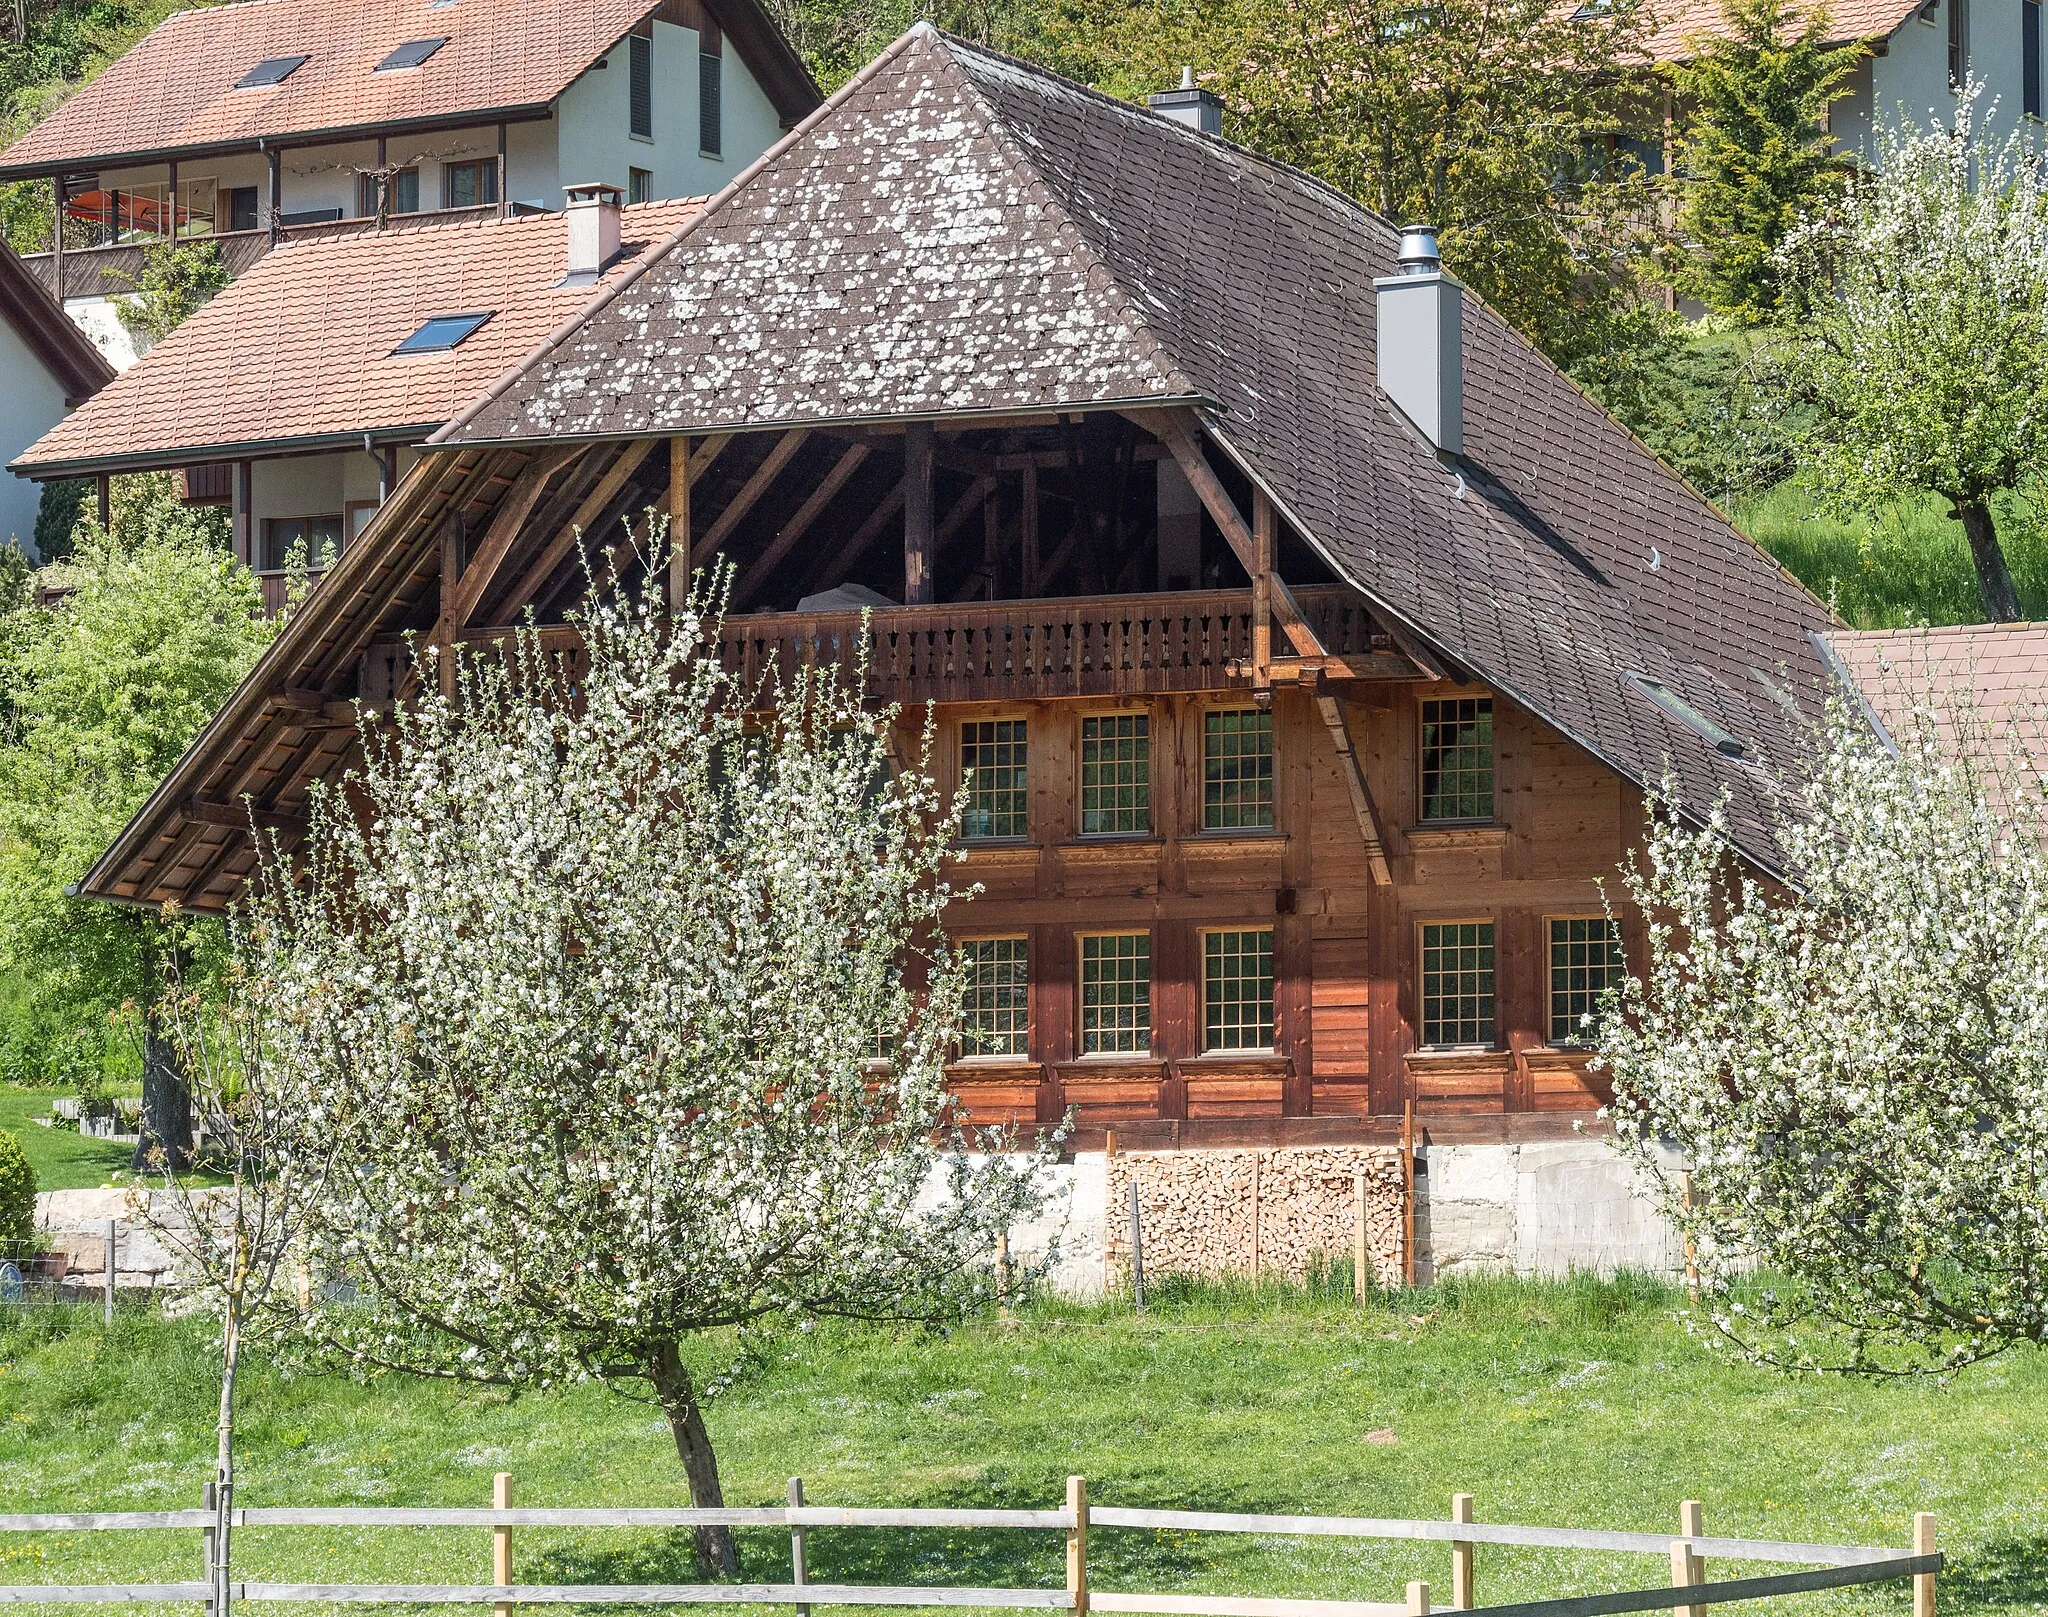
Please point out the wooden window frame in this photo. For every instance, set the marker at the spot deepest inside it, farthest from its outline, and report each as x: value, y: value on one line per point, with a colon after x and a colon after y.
x: 1024, y: 1034
x: 486, y: 179
x: 263, y: 538
x: 1144, y: 715
x: 1220, y: 710
x: 1620, y: 945
x: 1492, y: 814
x: 639, y: 86
x: 1081, y: 941
x: 960, y: 743
x: 1272, y: 1018
x: 1492, y: 1040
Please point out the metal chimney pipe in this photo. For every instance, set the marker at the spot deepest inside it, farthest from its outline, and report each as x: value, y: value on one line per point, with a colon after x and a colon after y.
x: 1421, y: 341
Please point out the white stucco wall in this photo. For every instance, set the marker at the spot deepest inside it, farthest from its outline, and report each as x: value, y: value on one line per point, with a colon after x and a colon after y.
x: 1540, y: 1208
x: 1911, y: 77
x: 31, y: 403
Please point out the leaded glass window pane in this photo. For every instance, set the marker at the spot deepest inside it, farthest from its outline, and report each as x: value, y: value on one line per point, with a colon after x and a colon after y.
x: 1116, y: 775
x: 993, y: 778
x: 995, y: 1015
x: 1237, y: 770
x: 1457, y: 758
x: 1585, y: 961
x: 1237, y: 990
x: 1457, y: 983
x: 1116, y: 994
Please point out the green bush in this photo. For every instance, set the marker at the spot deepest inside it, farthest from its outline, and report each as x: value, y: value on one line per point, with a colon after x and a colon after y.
x: 17, y: 1191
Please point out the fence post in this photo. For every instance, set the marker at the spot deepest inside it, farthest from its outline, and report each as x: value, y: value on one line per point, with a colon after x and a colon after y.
x: 1461, y: 1555
x: 113, y: 1257
x: 1418, y: 1599
x: 1686, y: 1565
x: 1077, y: 1545
x: 1923, y: 1582
x: 798, y: 1571
x: 1361, y: 1260
x: 1003, y: 1274
x: 208, y: 1503
x: 1137, y: 1250
x: 501, y: 1542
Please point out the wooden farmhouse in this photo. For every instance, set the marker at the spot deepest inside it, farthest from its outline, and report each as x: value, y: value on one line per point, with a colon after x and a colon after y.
x: 1303, y: 640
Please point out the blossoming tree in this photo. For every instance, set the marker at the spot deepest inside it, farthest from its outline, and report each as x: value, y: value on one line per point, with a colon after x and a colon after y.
x: 1921, y: 343
x: 627, y: 979
x: 1853, y: 1065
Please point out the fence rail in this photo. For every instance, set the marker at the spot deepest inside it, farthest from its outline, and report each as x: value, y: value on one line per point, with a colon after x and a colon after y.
x: 1833, y: 1566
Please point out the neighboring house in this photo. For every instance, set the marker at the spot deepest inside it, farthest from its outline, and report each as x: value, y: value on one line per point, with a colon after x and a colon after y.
x: 1987, y: 679
x: 1303, y: 642
x: 298, y: 396
x: 253, y: 121
x: 1917, y: 51
x: 50, y: 368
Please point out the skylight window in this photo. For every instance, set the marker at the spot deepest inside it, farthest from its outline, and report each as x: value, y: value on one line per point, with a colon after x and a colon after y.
x: 1689, y: 716
x: 443, y: 332
x: 410, y: 54
x: 272, y: 70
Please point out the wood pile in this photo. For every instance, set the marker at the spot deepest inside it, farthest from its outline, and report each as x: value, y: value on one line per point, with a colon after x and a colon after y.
x: 1253, y: 1213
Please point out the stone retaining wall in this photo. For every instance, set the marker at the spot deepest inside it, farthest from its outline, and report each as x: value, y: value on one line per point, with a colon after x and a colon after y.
x: 1254, y: 1212
x: 73, y: 1224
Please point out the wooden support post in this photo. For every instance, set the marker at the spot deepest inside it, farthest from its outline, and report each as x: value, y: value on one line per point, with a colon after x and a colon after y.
x: 1077, y: 1545
x: 382, y: 191
x: 57, y: 234
x: 1263, y: 527
x: 504, y: 178
x: 451, y: 583
x: 678, y: 520
x: 501, y: 1542
x: 1461, y: 1555
x: 104, y: 488
x: 1418, y: 1599
x: 1031, y: 582
x: 276, y: 193
x: 171, y: 200
x: 244, y: 520
x: 1408, y: 1191
x: 1137, y: 1250
x: 920, y: 442
x: 799, y: 1572
x: 1923, y: 1582
x: 1687, y: 1566
x: 1361, y: 1258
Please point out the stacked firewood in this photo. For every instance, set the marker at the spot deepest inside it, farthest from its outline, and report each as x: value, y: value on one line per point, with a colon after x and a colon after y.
x: 1269, y: 1214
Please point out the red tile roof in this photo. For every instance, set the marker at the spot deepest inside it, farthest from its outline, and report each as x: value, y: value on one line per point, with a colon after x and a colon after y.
x: 1680, y: 21
x: 174, y: 92
x: 300, y: 346
x: 1996, y: 672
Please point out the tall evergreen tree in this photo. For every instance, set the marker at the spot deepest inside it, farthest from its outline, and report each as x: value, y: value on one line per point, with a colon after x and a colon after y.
x: 1755, y: 153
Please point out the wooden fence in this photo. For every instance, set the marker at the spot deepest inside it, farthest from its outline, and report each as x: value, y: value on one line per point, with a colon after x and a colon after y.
x: 1833, y: 1566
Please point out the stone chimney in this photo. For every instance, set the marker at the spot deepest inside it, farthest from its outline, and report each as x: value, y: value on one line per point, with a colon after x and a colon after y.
x: 1422, y: 341
x: 1198, y: 109
x: 593, y: 220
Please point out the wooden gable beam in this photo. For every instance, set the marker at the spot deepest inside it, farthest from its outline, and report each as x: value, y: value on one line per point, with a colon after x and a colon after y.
x: 506, y: 526
x: 764, y: 565
x: 556, y: 550
x: 704, y: 549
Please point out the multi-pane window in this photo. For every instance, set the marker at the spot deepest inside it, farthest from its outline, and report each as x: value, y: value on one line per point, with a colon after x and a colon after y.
x: 310, y: 541
x: 995, y: 1006
x: 639, y: 185
x: 1237, y: 769
x: 994, y: 779
x: 469, y: 185
x: 1457, y: 758
x: 1116, y: 993
x: 1457, y: 983
x: 1116, y: 775
x: 1237, y: 990
x: 1585, y: 961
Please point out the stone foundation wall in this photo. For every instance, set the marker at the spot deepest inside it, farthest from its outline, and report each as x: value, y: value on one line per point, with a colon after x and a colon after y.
x: 1265, y: 1212
x: 1537, y: 1208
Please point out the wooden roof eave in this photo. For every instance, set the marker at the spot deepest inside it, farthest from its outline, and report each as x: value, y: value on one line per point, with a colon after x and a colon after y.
x: 324, y: 443
x: 297, y: 643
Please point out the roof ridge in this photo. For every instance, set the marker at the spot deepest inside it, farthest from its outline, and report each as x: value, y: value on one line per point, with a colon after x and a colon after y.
x: 1151, y: 345
x: 660, y: 253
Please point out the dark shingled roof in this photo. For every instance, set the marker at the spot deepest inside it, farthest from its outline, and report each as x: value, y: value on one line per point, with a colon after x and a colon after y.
x: 957, y: 231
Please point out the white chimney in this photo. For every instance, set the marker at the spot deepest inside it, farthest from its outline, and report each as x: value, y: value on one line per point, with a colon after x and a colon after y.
x: 1198, y: 109
x: 593, y: 220
x: 1422, y: 341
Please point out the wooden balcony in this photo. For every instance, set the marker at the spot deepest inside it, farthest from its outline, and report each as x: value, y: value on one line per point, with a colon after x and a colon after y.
x: 1017, y: 650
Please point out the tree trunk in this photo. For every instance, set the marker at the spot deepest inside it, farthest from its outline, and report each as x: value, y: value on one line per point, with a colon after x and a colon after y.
x: 221, y: 1574
x: 1994, y: 578
x: 166, y: 1101
x: 716, y: 1553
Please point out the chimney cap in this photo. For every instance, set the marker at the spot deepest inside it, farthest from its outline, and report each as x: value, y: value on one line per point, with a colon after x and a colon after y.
x: 1419, y: 252
x: 1190, y: 104
x: 595, y: 191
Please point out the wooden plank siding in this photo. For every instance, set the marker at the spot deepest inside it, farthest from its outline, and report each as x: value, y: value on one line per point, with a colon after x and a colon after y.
x: 1345, y: 948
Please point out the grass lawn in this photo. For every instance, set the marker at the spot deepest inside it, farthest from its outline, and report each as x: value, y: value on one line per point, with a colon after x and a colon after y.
x: 62, y: 1158
x: 1911, y: 566
x: 1577, y: 1405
